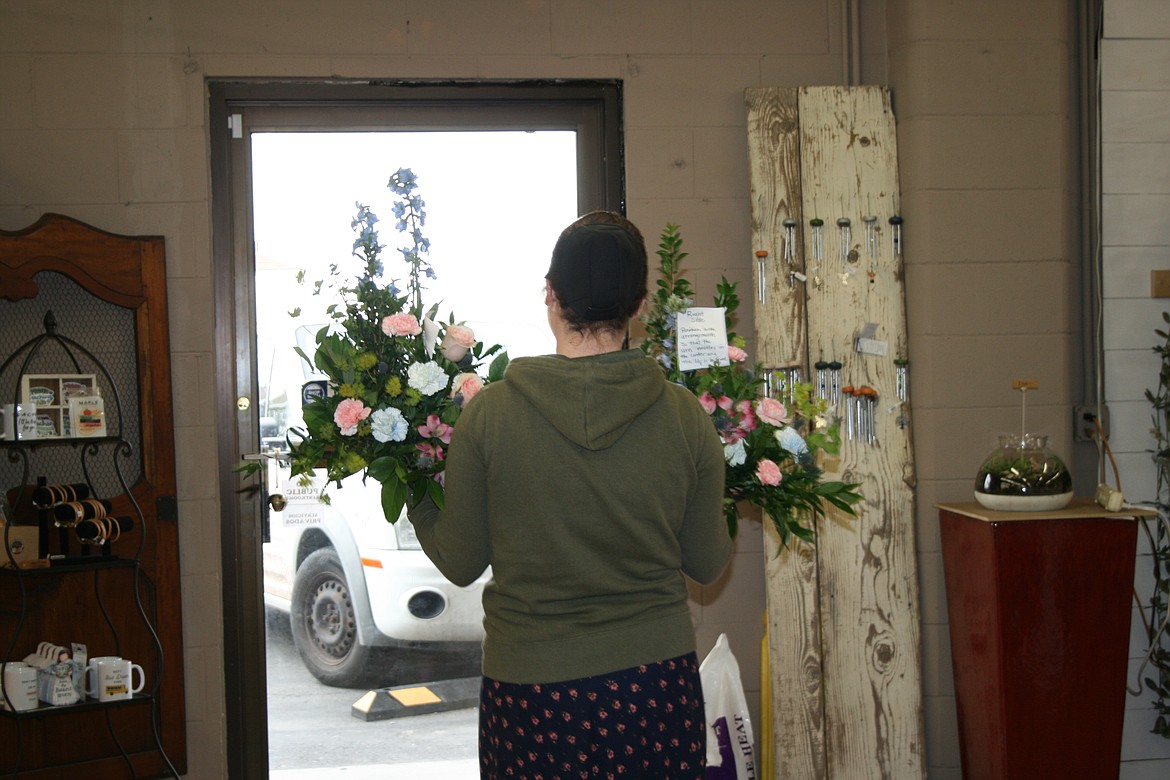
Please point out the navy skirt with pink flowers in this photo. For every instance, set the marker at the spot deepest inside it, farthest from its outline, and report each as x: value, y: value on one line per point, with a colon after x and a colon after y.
x: 643, y: 722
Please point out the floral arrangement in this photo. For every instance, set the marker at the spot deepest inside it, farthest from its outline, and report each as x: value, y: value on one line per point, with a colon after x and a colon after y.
x: 771, y: 447
x: 397, y: 378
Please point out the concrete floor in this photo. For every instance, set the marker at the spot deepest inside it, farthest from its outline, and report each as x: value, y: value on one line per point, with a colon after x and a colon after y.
x: 431, y: 770
x: 312, y: 733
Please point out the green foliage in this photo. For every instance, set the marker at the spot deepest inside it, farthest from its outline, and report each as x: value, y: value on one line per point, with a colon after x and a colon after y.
x: 395, y: 375
x: 1159, y: 540
x: 732, y: 395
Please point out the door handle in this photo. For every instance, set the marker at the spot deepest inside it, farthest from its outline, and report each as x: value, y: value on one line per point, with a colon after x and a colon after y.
x: 276, y: 501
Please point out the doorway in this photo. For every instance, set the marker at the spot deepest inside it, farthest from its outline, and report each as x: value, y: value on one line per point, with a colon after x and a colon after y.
x: 488, y: 273
x: 253, y: 251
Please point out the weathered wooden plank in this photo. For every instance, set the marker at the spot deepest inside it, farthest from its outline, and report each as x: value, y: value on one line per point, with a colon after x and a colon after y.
x: 867, y: 567
x: 843, y: 617
x: 790, y: 575
x: 794, y: 644
x: 774, y: 150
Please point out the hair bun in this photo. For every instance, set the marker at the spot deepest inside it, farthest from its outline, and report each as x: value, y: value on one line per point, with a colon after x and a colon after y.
x: 598, y: 268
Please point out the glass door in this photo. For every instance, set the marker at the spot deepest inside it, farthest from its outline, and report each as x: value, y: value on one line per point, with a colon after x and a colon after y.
x: 347, y: 601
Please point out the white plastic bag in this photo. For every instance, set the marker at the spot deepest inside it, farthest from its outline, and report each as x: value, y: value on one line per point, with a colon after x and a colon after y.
x: 730, y: 752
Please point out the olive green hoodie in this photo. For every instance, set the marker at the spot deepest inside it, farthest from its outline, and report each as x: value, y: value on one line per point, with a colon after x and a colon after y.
x: 591, y: 486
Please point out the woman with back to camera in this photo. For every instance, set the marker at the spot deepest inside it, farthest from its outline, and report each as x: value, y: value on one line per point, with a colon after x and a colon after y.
x: 591, y: 486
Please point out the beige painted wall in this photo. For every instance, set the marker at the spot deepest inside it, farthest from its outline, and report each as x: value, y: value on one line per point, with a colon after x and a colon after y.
x: 986, y: 135
x: 987, y: 105
x: 103, y: 117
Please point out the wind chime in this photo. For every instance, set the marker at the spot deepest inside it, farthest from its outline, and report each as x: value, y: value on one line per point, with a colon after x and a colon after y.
x: 846, y: 236
x: 870, y: 223
x: 779, y: 383
x: 861, y: 401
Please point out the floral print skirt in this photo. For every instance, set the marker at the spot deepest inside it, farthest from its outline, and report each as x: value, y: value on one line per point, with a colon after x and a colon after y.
x: 643, y: 722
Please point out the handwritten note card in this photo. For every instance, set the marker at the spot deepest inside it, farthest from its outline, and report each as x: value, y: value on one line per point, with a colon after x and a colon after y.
x: 702, y: 339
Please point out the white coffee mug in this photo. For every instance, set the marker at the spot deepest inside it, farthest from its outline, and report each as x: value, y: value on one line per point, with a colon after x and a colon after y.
x: 20, y: 685
x: 91, y: 672
x: 112, y: 679
x: 18, y: 421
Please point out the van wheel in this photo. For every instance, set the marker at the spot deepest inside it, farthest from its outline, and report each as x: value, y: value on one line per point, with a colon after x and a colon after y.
x: 324, y: 628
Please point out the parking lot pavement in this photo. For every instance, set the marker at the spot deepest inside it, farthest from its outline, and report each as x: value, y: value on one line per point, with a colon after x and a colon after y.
x: 311, y: 729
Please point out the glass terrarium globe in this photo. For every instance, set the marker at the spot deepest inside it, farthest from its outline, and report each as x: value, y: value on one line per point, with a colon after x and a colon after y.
x: 1023, y: 475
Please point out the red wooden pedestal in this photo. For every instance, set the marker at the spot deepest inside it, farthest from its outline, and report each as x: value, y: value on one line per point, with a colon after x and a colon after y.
x: 1039, y: 618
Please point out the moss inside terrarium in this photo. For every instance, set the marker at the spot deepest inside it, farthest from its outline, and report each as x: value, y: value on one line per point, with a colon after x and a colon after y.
x: 1023, y: 466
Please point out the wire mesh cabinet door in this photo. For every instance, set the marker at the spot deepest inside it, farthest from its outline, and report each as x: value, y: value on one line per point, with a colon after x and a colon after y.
x: 105, y: 293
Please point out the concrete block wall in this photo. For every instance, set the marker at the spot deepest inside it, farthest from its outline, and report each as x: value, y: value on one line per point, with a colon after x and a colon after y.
x: 1135, y: 174
x: 103, y: 117
x: 986, y: 104
x: 987, y: 95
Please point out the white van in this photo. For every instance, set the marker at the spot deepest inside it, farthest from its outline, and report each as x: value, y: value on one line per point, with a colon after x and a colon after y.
x: 360, y: 593
x: 366, y: 606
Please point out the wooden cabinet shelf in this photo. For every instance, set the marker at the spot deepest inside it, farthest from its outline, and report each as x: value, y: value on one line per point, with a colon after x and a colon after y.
x: 74, y: 564
x: 115, y: 586
x: 137, y: 699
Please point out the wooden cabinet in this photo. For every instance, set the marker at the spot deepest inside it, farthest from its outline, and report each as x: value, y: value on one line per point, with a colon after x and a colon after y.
x: 104, y: 294
x: 1039, y: 606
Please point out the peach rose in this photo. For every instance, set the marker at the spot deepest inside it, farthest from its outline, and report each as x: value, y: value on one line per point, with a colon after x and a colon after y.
x: 772, y: 412
x: 456, y: 342
x: 401, y: 324
x: 735, y: 354
x: 465, y: 386
x: 768, y: 472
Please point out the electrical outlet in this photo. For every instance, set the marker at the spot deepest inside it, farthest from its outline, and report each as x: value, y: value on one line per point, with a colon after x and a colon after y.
x: 1083, y: 427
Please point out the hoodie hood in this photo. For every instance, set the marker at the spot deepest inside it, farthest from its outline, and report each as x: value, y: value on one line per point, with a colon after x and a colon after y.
x: 590, y: 400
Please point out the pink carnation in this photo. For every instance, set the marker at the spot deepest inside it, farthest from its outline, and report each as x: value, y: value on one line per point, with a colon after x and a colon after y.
x: 348, y: 414
x: 466, y: 386
x: 735, y: 354
x: 768, y: 472
x: 772, y: 412
x: 402, y: 324
x: 456, y: 341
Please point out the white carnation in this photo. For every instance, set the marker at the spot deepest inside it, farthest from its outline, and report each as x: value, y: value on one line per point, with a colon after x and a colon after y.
x: 791, y: 441
x: 427, y: 378
x: 388, y: 425
x: 735, y: 454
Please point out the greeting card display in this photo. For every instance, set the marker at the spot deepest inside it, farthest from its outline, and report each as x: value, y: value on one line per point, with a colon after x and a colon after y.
x: 54, y: 395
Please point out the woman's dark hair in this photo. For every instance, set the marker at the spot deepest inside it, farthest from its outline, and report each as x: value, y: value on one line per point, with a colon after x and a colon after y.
x: 598, y: 272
